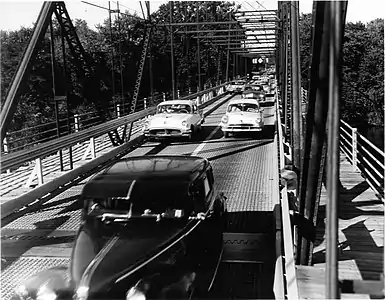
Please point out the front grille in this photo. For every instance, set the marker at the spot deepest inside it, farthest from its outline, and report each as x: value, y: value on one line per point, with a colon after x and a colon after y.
x: 165, y: 131
x: 241, y: 125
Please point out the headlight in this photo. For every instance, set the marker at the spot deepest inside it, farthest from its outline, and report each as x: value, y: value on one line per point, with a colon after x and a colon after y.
x: 225, y: 119
x: 45, y: 293
x: 22, y: 292
x: 135, y: 294
x: 184, y: 123
x: 82, y: 293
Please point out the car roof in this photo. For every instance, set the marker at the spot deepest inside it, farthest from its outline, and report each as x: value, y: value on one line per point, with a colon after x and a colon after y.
x: 189, y: 102
x: 115, y: 180
x: 245, y: 100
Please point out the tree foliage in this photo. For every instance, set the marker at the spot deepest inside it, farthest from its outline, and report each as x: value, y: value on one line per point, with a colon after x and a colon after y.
x: 114, y: 50
x: 362, y: 69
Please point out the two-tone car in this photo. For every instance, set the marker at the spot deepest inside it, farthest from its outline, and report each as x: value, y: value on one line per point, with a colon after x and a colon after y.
x: 242, y: 115
x: 174, y: 118
x: 151, y: 229
x: 258, y: 96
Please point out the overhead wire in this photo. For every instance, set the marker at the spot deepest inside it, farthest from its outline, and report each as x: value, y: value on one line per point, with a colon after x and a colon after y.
x: 105, y: 8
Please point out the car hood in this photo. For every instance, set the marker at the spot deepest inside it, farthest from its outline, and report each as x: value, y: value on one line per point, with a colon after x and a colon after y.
x: 105, y: 252
x: 165, y: 120
x: 235, y: 117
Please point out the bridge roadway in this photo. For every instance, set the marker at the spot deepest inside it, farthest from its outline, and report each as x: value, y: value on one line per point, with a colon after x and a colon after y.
x: 245, y: 169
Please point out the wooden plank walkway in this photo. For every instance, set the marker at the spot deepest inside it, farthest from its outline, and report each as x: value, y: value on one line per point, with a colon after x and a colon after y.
x: 361, y: 236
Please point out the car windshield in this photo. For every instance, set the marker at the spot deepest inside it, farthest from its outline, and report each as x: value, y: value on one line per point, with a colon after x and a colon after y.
x: 245, y: 107
x: 150, y: 196
x: 174, y: 109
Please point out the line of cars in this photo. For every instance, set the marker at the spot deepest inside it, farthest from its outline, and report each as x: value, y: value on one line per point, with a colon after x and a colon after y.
x: 151, y: 226
x: 183, y: 119
x: 246, y: 114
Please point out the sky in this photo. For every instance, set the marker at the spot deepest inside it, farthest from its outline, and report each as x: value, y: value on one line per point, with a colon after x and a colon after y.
x: 15, y: 14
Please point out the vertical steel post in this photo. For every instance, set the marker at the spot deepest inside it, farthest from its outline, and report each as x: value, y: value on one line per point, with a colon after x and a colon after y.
x: 172, y: 51
x: 66, y: 93
x: 354, y: 147
x: 285, y: 66
x: 314, y: 143
x: 279, y: 35
x: 234, y: 65
x: 332, y: 286
x: 296, y: 87
x: 52, y: 44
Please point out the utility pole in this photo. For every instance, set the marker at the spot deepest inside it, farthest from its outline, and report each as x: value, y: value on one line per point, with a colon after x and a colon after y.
x: 150, y: 55
x: 198, y: 54
x: 172, y: 52
x: 228, y: 52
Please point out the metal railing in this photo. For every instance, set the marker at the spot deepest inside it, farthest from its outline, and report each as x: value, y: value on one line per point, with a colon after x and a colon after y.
x: 284, y: 237
x: 29, y: 137
x: 364, y: 156
x: 37, y: 153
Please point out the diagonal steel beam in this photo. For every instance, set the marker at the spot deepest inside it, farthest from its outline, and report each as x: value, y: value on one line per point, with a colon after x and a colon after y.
x: 20, y: 78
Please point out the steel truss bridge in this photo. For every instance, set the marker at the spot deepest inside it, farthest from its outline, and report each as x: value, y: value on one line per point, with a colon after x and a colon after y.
x: 279, y: 186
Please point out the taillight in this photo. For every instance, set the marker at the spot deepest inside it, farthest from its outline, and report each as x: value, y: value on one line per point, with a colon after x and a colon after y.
x: 225, y: 119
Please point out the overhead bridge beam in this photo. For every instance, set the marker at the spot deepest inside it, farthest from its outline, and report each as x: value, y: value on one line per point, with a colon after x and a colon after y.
x: 226, y: 30
x: 244, y: 42
x: 225, y: 37
x: 216, y: 23
x: 270, y: 11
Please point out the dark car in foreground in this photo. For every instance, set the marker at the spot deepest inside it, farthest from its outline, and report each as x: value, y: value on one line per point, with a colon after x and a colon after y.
x: 151, y: 229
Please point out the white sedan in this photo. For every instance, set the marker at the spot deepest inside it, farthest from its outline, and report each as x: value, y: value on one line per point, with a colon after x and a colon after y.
x: 236, y: 86
x: 174, y: 118
x: 242, y: 115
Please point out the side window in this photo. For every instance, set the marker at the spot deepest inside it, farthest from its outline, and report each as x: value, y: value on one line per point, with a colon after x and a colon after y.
x: 206, y: 186
x: 210, y: 176
x: 208, y: 181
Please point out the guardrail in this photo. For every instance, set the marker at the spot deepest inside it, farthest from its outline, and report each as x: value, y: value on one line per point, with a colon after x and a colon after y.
x: 285, y: 255
x: 364, y: 156
x: 13, y: 160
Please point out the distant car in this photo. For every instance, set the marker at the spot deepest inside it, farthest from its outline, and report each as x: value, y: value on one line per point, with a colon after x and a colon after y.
x: 236, y: 86
x: 258, y: 96
x: 256, y: 87
x: 174, y: 118
x: 242, y: 115
x: 152, y: 229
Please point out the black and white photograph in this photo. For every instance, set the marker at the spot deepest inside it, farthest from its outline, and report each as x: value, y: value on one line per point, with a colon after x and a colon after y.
x: 192, y: 150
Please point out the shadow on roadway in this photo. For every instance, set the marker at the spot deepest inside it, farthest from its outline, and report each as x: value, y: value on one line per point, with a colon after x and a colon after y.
x: 244, y: 280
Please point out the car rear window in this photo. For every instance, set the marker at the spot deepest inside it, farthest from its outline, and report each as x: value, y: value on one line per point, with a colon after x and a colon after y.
x: 174, y: 108
x: 245, y: 107
x: 155, y: 194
